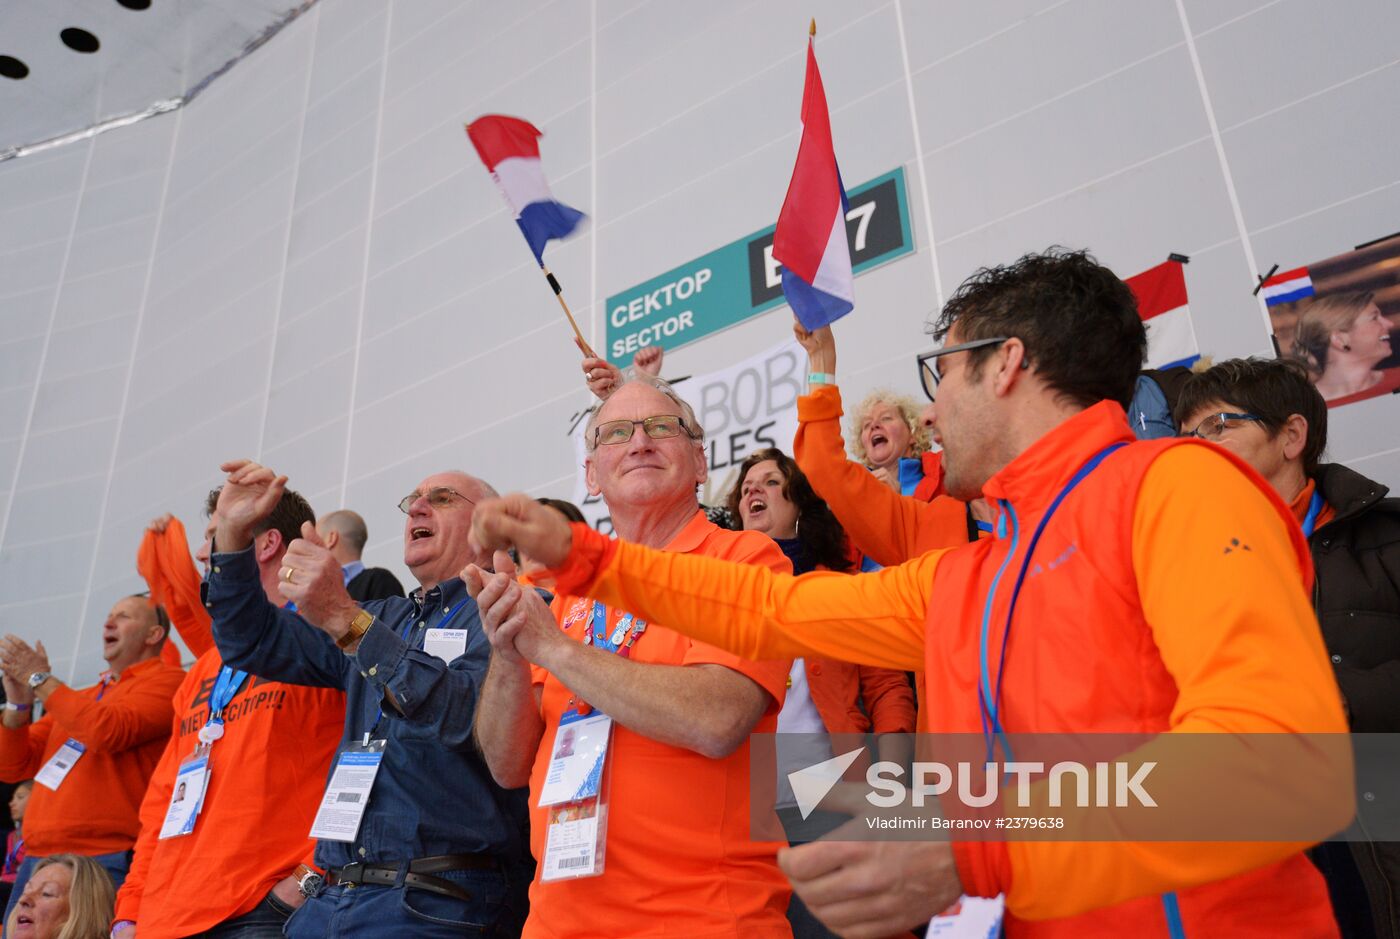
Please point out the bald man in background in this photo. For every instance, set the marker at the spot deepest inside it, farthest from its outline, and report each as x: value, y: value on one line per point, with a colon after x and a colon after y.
x: 345, y: 535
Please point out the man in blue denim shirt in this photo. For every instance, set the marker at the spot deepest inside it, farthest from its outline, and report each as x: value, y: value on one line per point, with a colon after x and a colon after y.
x: 440, y: 848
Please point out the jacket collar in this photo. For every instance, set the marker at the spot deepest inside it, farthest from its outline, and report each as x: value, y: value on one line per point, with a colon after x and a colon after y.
x: 1032, y: 480
x: 1347, y: 491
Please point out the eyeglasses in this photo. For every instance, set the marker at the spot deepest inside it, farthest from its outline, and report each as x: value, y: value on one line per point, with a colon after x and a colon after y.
x: 1216, y: 424
x: 439, y: 497
x: 614, y: 433
x: 929, y: 375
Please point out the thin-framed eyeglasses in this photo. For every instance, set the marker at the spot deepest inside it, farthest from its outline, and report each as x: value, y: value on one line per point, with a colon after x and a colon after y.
x: 439, y: 497
x: 929, y: 376
x: 1216, y: 424
x: 657, y: 427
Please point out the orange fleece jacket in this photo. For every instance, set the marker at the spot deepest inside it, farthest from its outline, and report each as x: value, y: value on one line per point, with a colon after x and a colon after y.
x: 95, y: 810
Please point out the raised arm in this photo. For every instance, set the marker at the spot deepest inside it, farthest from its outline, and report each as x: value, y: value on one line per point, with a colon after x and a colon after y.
x: 267, y: 640
x: 886, y: 527
x: 742, y: 608
x: 164, y: 562
x: 1244, y: 649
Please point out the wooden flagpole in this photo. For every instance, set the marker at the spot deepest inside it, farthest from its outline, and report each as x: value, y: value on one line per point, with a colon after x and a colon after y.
x: 559, y: 294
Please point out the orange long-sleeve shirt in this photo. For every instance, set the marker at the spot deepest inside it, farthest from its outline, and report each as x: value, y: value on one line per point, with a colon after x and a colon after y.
x: 887, y: 527
x: 1138, y: 620
x: 95, y: 809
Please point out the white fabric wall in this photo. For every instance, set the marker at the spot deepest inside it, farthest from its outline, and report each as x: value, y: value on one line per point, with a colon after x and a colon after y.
x: 309, y: 265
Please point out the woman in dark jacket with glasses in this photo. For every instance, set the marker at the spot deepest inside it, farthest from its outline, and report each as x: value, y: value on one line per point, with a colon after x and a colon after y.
x: 1268, y: 412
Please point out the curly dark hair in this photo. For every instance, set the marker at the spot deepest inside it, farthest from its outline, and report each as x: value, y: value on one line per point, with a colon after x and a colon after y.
x: 1078, y: 321
x: 821, y: 534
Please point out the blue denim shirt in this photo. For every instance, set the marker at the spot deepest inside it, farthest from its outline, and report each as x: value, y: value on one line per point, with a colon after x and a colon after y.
x: 434, y: 793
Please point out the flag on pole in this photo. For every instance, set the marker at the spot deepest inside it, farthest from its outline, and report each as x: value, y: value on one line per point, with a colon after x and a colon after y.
x: 510, y: 149
x: 810, y: 241
x: 1287, y: 286
x: 1161, y: 300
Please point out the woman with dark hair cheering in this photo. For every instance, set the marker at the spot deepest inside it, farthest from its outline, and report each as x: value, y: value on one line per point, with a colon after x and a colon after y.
x: 823, y: 696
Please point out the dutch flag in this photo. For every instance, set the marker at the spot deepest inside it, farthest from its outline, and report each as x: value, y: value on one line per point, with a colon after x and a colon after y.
x: 1161, y: 299
x: 511, y: 151
x: 1287, y: 287
x: 810, y: 241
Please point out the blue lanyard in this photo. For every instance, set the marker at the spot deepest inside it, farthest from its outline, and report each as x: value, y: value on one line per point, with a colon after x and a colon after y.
x: 404, y: 633
x: 14, y: 854
x: 611, y: 642
x: 225, y: 688
x: 107, y: 681
x: 1314, y: 509
x: 989, y: 701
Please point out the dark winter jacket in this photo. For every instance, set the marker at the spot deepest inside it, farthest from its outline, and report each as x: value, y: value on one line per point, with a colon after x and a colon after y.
x: 1357, y: 598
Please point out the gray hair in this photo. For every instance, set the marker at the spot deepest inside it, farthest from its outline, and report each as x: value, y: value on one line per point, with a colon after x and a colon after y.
x: 687, y: 415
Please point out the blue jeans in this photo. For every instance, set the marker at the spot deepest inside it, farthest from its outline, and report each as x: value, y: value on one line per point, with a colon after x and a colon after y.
x: 116, y: 865
x: 264, y: 921
x: 496, y: 909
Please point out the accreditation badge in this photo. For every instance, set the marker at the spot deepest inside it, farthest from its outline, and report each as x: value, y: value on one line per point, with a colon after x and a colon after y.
x: 574, y: 797
x: 347, y: 795
x: 969, y: 918
x: 52, y: 773
x: 187, y: 797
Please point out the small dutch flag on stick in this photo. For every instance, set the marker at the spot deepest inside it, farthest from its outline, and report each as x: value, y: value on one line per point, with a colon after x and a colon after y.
x: 510, y: 149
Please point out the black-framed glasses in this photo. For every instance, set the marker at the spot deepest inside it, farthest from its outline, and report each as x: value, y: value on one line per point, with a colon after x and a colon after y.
x: 658, y: 427
x: 439, y: 497
x: 1216, y: 424
x: 929, y: 375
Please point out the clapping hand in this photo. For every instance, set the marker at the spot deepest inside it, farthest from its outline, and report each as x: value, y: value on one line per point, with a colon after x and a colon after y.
x: 17, y: 662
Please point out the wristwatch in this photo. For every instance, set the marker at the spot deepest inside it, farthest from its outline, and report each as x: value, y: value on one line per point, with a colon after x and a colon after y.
x: 38, y: 678
x: 308, y: 881
x: 358, y: 626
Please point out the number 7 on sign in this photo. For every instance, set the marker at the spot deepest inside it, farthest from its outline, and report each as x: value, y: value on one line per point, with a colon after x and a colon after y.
x: 862, y: 214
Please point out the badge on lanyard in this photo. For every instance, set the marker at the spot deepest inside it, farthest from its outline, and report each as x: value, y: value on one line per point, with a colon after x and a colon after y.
x: 60, y: 764
x: 347, y: 795
x: 573, y: 794
x: 446, y: 644
x: 969, y: 918
x: 187, y: 798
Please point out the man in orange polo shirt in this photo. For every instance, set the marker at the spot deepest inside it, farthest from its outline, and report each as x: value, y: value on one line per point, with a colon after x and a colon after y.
x: 236, y: 872
x: 95, y: 748
x: 1161, y: 594
x: 675, y: 775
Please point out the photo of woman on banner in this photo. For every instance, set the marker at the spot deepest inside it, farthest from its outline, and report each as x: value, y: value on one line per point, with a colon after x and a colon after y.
x: 1336, y: 317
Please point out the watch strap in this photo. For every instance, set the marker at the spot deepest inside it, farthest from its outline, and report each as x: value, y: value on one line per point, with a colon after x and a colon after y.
x: 359, y: 625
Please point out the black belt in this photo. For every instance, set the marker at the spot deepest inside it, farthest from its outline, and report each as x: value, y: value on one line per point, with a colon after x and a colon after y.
x: 419, y: 871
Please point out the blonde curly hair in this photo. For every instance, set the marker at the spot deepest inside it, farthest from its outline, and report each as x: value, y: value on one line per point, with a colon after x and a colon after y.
x: 908, y: 409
